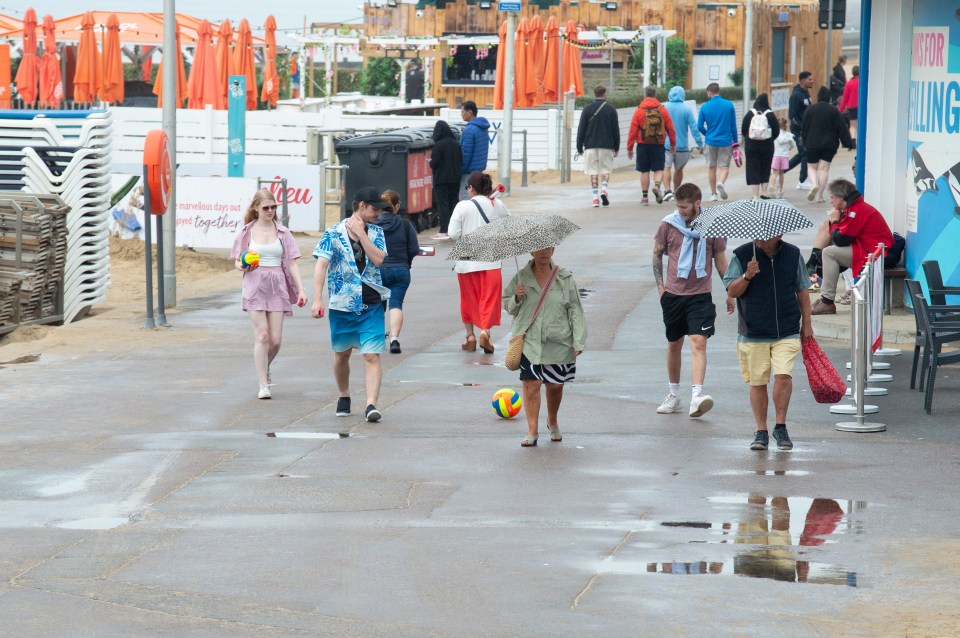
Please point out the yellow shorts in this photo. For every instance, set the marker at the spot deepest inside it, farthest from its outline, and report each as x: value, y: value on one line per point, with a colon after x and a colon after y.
x: 757, y: 359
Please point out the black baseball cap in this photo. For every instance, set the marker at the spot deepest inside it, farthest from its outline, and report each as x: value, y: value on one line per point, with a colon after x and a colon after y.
x: 370, y: 196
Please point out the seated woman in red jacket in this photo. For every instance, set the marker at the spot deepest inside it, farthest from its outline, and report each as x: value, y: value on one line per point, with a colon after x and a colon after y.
x: 851, y: 231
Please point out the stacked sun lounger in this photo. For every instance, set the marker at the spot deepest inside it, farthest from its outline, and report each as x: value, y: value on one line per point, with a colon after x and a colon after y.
x: 66, y: 154
x: 33, y: 253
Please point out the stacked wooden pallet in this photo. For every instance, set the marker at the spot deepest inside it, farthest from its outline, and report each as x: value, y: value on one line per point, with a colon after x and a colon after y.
x: 33, y: 253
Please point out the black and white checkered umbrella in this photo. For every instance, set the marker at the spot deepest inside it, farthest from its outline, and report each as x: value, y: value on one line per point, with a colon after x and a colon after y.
x: 751, y: 219
x: 506, y: 237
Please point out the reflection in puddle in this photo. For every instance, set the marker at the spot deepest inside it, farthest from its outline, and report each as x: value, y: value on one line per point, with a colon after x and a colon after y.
x: 773, y: 532
x: 757, y: 565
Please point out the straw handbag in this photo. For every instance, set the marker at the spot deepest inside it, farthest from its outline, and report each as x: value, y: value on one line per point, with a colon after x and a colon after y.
x: 515, y: 349
x: 825, y: 382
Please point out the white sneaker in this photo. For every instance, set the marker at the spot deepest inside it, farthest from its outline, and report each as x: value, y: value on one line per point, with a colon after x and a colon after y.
x: 264, y: 392
x: 721, y: 190
x: 700, y: 405
x: 713, y: 197
x: 801, y: 186
x: 670, y: 405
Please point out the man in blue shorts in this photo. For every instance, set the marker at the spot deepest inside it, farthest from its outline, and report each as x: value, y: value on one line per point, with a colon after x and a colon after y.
x: 348, y: 259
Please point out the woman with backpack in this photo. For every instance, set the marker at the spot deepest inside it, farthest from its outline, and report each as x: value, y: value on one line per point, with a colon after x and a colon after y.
x: 760, y: 129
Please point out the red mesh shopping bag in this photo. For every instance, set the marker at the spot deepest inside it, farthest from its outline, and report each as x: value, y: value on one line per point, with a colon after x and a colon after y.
x: 825, y: 382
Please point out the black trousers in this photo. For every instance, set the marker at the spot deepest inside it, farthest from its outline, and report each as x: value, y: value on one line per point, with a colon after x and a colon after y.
x: 800, y: 158
x: 445, y: 197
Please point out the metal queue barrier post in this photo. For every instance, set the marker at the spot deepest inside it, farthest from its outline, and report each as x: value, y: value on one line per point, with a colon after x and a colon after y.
x: 859, y: 348
x: 861, y: 359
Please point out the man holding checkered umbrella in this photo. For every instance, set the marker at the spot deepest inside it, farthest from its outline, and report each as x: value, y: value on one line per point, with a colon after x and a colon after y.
x: 763, y: 274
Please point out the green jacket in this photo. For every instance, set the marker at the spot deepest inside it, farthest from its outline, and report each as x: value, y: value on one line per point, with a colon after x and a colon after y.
x: 560, y: 329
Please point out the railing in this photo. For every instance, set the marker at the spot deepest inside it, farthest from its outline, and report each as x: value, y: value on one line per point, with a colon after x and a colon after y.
x: 866, y: 329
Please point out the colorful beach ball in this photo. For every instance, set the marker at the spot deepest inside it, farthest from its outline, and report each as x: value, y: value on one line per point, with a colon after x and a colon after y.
x: 507, y: 403
x: 250, y: 259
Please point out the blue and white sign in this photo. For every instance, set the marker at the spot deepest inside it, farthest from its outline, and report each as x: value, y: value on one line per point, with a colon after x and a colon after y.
x: 509, y: 6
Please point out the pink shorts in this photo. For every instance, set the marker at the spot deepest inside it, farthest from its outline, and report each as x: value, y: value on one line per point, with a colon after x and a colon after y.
x: 266, y: 289
x: 780, y: 163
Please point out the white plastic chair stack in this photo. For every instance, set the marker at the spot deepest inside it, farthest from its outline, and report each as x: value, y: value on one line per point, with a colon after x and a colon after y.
x: 70, y: 157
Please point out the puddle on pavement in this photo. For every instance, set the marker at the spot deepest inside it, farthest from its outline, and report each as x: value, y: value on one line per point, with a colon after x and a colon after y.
x: 308, y: 435
x: 480, y: 362
x: 30, y: 358
x: 95, y: 523
x: 761, y: 473
x: 776, y: 533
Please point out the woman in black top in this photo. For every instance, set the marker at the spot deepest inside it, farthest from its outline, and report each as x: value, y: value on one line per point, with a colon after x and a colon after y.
x: 445, y: 163
x: 402, y: 247
x: 824, y: 129
x: 759, y: 152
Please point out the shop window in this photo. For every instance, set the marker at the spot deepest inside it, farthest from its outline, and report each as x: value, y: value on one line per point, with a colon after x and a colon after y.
x: 470, y: 64
x: 778, y: 61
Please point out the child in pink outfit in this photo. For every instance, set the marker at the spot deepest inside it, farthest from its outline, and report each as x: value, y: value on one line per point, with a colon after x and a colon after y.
x: 781, y: 157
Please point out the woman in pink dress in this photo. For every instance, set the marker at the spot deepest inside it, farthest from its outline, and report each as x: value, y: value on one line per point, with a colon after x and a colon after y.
x: 271, y: 288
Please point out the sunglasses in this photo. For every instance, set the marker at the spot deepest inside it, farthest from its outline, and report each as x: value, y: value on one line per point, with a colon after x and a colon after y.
x: 274, y: 207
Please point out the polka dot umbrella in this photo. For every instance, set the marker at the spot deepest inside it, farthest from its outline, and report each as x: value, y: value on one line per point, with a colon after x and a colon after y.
x: 506, y: 237
x: 751, y: 219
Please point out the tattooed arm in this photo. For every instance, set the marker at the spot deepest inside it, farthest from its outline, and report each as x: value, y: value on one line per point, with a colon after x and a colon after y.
x: 658, y: 249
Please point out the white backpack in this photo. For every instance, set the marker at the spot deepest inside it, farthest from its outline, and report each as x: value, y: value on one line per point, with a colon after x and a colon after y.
x: 759, y: 126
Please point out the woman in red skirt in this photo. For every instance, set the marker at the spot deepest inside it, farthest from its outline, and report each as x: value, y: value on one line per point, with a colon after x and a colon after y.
x: 480, y: 281
x: 270, y: 289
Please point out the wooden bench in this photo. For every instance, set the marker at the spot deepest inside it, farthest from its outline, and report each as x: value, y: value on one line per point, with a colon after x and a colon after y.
x: 893, y: 276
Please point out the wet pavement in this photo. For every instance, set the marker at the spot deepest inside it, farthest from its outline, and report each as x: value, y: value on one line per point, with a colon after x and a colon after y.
x: 144, y: 489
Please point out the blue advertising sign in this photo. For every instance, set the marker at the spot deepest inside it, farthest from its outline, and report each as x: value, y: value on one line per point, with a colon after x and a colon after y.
x: 236, y: 125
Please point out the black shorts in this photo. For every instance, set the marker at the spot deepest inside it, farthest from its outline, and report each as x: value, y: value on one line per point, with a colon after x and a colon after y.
x: 688, y: 315
x: 851, y: 112
x: 815, y: 155
x: 650, y: 157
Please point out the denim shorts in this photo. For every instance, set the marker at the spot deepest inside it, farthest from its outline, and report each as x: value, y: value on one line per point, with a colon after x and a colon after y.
x: 363, y: 330
x: 397, y: 279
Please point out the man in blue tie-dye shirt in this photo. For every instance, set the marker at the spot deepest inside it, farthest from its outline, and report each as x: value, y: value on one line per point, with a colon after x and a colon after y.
x: 348, y: 259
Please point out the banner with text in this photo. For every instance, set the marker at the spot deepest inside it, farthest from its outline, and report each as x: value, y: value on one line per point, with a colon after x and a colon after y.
x: 210, y: 210
x: 303, y: 189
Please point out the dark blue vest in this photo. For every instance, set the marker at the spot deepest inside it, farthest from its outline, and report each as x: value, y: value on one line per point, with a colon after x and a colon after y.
x: 769, y: 308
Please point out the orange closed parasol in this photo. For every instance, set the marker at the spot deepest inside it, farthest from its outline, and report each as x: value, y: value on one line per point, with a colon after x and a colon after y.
x: 203, y: 87
x: 224, y: 57
x: 86, y: 79
x: 181, y: 76
x: 271, y: 81
x: 534, y: 62
x: 51, y: 82
x: 111, y: 90
x: 243, y: 63
x: 572, y: 71
x: 28, y: 73
x: 501, y: 57
x: 550, y: 59
x: 520, y: 69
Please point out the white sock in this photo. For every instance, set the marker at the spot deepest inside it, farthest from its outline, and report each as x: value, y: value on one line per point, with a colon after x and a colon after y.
x: 603, y: 186
x: 674, y: 389
x: 697, y: 390
x: 596, y: 194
